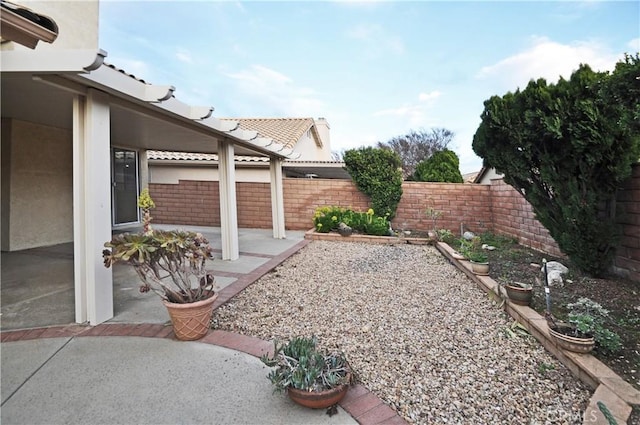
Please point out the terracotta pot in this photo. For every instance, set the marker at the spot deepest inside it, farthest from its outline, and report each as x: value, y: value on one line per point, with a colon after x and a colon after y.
x: 519, y: 295
x: 481, y: 269
x: 318, y: 399
x: 191, y: 321
x: 571, y: 343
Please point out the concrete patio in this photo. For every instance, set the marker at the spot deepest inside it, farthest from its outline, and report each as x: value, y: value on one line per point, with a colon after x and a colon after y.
x: 37, y: 284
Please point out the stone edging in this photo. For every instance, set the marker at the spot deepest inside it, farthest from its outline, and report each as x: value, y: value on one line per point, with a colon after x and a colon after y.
x: 616, y: 393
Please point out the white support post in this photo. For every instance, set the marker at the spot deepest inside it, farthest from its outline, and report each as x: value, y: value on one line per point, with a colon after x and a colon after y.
x: 92, y: 207
x: 277, y: 198
x: 79, y: 230
x: 143, y: 173
x: 228, y: 205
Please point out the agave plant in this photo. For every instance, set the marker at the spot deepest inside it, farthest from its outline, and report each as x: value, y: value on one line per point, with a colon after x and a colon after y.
x: 299, y: 364
x: 169, y: 263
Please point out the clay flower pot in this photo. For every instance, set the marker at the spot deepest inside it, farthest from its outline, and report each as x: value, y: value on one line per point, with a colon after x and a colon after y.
x: 318, y: 399
x: 577, y: 344
x: 518, y: 294
x: 191, y: 321
x: 481, y: 269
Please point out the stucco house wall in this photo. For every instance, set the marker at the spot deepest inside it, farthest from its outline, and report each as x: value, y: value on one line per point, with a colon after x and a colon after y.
x: 309, y: 149
x: 37, y: 192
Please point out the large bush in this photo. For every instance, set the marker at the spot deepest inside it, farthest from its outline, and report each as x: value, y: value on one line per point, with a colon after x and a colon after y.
x: 566, y: 148
x: 378, y: 174
x: 442, y: 166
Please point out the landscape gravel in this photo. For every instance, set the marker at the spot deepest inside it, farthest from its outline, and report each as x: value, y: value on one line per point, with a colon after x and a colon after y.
x: 416, y: 330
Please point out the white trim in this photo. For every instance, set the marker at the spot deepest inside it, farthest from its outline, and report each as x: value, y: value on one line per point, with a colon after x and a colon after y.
x: 228, y: 203
x: 97, y: 199
x: 54, y: 60
x: 277, y: 198
x: 79, y: 225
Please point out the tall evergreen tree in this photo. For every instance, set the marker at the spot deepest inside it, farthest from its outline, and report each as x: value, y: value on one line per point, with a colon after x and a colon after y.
x: 566, y: 148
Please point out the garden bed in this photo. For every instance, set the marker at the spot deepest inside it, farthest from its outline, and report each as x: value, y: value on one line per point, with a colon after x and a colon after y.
x: 416, y: 331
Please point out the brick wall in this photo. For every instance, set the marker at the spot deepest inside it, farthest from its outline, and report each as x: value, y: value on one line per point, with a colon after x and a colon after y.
x: 627, y: 261
x: 194, y: 203
x: 197, y: 203
x: 469, y: 205
x: 496, y: 207
x: 303, y: 196
x: 513, y: 216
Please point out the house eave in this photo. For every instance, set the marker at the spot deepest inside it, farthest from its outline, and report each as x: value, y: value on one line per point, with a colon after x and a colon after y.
x: 24, y: 31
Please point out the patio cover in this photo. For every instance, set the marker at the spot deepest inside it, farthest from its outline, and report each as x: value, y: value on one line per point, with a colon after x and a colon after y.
x: 105, y: 106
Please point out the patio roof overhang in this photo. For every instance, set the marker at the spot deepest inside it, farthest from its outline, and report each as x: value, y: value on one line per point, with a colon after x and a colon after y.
x: 143, y: 115
x: 76, y: 91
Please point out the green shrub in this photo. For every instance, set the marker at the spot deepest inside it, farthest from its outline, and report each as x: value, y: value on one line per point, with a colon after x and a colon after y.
x: 378, y: 174
x: 375, y: 225
x: 326, y: 219
x: 442, y: 166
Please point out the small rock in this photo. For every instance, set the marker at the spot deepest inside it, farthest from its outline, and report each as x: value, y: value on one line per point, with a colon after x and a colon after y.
x: 468, y: 235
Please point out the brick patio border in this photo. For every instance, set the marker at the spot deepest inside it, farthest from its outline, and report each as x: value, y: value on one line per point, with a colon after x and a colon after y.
x: 363, y: 405
x: 616, y: 393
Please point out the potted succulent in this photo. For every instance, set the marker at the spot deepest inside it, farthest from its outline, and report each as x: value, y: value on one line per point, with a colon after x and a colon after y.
x: 311, y: 377
x: 170, y: 263
x: 472, y: 251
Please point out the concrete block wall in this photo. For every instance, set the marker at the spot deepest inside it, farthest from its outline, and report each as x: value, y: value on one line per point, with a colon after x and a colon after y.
x: 513, y: 216
x: 496, y: 207
x: 303, y: 196
x: 466, y: 204
x: 196, y: 203
x: 627, y: 260
x: 189, y: 202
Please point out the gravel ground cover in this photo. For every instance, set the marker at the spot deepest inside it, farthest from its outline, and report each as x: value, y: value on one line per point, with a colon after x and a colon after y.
x: 417, y: 332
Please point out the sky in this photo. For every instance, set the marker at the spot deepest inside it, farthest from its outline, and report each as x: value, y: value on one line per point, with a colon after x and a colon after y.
x: 375, y: 70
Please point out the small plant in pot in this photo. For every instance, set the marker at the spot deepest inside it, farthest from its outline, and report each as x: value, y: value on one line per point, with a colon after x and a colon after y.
x: 311, y: 377
x: 566, y: 335
x: 171, y: 263
x: 472, y: 251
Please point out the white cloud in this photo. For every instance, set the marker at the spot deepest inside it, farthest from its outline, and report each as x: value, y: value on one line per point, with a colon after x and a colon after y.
x: 415, y: 114
x: 425, y: 97
x: 634, y: 45
x: 184, y: 56
x: 277, y: 92
x: 376, y: 39
x: 548, y: 59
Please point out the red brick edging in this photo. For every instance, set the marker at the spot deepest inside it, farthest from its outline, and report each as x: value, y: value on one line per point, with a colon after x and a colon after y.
x: 363, y: 405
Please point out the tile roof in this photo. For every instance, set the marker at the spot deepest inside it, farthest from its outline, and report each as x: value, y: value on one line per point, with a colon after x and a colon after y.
x: 283, y: 131
x: 197, y: 157
x: 286, y: 131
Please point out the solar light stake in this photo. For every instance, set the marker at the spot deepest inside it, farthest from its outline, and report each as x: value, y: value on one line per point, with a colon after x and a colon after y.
x: 547, y: 292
